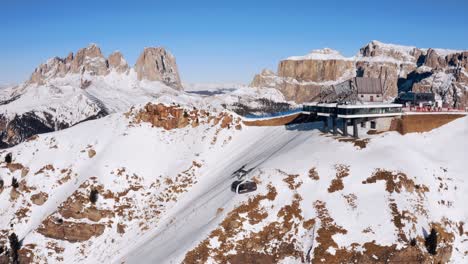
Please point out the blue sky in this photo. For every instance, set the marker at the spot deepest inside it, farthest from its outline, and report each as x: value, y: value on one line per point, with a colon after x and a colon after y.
x: 219, y: 41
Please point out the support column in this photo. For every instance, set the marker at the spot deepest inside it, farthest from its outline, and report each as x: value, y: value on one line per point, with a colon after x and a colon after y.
x: 335, y: 130
x: 355, y: 129
x: 345, y: 127
x: 325, y: 124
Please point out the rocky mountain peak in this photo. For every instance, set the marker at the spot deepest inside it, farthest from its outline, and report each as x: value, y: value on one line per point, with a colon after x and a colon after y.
x: 321, y: 54
x: 157, y: 64
x: 154, y: 64
x: 117, y: 62
x: 398, y: 52
x: 400, y: 68
x: 89, y: 59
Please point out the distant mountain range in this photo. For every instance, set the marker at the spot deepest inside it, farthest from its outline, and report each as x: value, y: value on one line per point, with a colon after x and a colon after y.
x: 400, y: 68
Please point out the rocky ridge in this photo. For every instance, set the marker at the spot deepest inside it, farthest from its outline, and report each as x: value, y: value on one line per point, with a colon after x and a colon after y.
x: 66, y: 91
x: 154, y: 64
x: 400, y: 68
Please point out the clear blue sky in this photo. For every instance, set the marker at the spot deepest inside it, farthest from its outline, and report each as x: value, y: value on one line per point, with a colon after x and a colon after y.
x: 220, y: 41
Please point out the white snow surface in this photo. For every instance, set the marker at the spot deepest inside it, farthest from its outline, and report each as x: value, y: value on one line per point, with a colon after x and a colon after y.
x: 321, y: 54
x: 151, y: 155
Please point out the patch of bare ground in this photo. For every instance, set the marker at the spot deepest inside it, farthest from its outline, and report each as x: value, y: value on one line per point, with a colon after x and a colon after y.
x: 422, y: 123
x: 272, y: 243
x: 54, y: 249
x: 396, y: 182
x: 70, y: 231
x: 14, y: 166
x: 292, y: 180
x: 342, y: 171
x: 325, y: 233
x: 48, y: 167
x: 360, y: 143
x: 351, y: 200
x: 39, y: 198
x: 91, y: 153
x: 313, y: 174
x: 373, y: 252
x: 173, y: 117
x: 26, y: 254
x: 67, y: 173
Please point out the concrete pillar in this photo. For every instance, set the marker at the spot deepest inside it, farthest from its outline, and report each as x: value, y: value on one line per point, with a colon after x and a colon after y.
x: 335, y: 129
x: 345, y: 127
x: 325, y: 124
x: 355, y: 128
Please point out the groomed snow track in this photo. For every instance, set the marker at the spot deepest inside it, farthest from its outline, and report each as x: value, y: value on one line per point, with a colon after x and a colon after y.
x: 194, y: 213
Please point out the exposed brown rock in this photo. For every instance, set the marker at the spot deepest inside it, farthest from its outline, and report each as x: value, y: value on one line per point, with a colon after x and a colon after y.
x: 70, y: 231
x: 314, y: 70
x: 39, y: 198
x: 117, y: 62
x: 173, y: 117
x: 91, y: 153
x: 89, y: 59
x: 395, y: 182
x: 157, y: 64
x: 433, y: 60
x: 337, y: 183
x: 398, y: 67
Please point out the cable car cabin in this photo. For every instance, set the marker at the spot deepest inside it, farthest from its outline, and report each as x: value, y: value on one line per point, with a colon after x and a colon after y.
x: 240, y: 187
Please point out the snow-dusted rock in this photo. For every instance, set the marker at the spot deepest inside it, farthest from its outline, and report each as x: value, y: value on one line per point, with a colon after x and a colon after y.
x: 157, y: 64
x: 300, y: 78
x: 117, y: 62
x: 89, y: 59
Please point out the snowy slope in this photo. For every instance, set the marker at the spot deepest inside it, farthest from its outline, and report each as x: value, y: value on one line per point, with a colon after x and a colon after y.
x: 164, y: 194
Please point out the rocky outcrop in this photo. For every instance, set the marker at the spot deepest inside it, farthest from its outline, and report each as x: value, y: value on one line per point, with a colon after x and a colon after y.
x: 154, y: 64
x: 300, y: 78
x: 157, y: 64
x: 434, y: 60
x: 264, y: 79
x: 117, y: 62
x: 173, y: 117
x: 314, y: 70
x: 89, y: 59
x: 400, y: 68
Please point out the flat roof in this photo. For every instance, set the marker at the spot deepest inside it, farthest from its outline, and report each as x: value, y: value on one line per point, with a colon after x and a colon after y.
x: 374, y: 105
x: 371, y: 106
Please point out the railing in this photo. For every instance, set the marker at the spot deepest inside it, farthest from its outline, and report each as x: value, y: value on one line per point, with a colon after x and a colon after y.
x: 276, y: 114
x: 433, y: 109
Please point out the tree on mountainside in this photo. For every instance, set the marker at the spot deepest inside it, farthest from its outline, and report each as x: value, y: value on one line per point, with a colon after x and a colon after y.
x: 431, y: 242
x: 8, y: 158
x: 14, y: 183
x: 15, y: 246
x: 93, y: 196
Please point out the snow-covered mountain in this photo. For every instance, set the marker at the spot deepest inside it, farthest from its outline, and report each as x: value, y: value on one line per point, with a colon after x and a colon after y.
x: 143, y: 172
x: 401, y: 68
x: 161, y: 176
x: 65, y: 91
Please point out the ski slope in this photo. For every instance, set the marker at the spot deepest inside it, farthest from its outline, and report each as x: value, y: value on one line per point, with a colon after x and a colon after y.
x: 144, y: 163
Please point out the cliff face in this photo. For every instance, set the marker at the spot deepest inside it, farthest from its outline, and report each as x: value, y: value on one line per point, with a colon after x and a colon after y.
x: 314, y: 70
x: 65, y: 91
x: 154, y: 64
x: 400, y: 68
